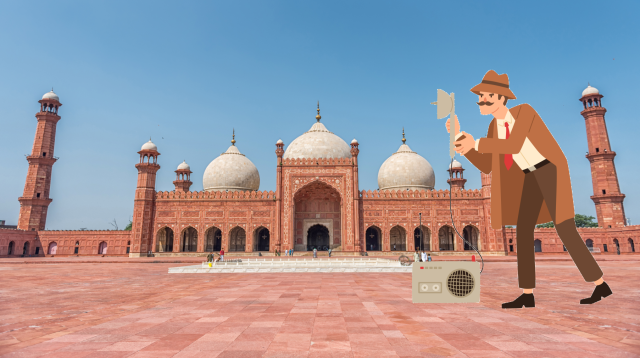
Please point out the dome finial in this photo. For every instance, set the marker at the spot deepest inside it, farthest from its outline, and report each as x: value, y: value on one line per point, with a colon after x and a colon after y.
x: 404, y: 140
x: 318, y: 116
x: 233, y: 140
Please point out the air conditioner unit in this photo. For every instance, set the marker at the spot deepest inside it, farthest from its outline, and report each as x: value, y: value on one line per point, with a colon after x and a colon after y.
x: 445, y: 282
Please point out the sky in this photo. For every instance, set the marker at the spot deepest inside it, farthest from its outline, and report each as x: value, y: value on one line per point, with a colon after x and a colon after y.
x: 186, y: 73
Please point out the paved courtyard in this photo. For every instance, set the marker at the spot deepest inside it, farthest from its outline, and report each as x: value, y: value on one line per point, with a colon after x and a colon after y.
x: 139, y: 310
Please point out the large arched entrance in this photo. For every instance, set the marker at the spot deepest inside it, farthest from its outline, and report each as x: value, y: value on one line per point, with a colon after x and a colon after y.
x: 470, y: 234
x: 422, y: 238
x: 189, y: 240
x: 374, y: 239
x: 25, y: 248
x: 318, y: 237
x: 446, y: 238
x: 261, y: 240
x: 237, y: 239
x: 631, y: 245
x: 164, y: 240
x: 317, y: 203
x: 214, y: 240
x: 102, y: 248
x: 398, y: 239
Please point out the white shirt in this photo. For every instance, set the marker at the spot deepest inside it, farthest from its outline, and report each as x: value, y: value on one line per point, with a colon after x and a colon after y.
x: 424, y: 256
x: 528, y: 155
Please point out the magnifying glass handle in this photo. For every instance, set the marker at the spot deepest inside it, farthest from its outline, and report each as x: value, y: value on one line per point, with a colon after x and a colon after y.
x: 452, y: 132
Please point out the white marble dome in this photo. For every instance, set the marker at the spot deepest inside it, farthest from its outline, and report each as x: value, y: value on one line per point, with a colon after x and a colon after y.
x: 149, y: 146
x: 590, y: 90
x: 455, y: 164
x: 318, y: 142
x: 406, y: 170
x: 231, y: 171
x: 51, y: 95
x: 184, y: 166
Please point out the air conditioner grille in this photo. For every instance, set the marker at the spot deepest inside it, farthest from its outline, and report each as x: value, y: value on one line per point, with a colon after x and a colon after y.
x: 460, y: 283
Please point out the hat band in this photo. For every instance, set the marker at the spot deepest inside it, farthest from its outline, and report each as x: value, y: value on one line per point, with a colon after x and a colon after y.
x: 495, y: 83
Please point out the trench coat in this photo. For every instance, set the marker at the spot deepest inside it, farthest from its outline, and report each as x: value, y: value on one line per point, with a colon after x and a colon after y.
x: 506, y: 185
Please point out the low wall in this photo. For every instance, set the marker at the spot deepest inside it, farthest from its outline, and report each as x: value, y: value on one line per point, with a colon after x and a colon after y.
x: 87, y: 242
x: 19, y: 238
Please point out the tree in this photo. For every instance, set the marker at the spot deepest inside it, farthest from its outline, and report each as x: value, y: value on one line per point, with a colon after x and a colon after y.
x: 128, y: 228
x: 585, y: 221
x: 581, y: 221
x: 114, y: 224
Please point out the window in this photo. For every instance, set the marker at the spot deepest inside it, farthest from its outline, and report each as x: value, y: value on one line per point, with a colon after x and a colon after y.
x: 605, y: 247
x: 38, y: 195
x: 597, y: 150
x: 604, y: 191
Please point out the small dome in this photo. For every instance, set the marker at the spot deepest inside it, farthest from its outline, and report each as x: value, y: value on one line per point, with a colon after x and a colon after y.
x: 590, y: 90
x: 318, y: 142
x: 279, y: 141
x: 231, y: 171
x: 406, y: 170
x: 149, y: 146
x: 184, y: 166
x: 51, y: 95
x: 456, y: 164
x: 354, y: 141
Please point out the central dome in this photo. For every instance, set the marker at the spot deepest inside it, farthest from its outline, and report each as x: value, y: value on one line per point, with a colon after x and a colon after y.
x: 231, y: 171
x: 406, y: 170
x: 318, y: 143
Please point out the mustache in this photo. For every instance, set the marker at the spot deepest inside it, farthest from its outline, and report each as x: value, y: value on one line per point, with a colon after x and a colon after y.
x: 485, y: 103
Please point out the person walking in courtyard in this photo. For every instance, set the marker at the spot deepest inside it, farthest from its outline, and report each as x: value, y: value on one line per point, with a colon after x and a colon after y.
x: 315, y: 253
x: 221, y: 254
x: 416, y: 256
x: 424, y: 256
x: 329, y: 252
x: 290, y: 252
x: 286, y: 252
x: 530, y: 182
x: 428, y: 257
x: 210, y: 257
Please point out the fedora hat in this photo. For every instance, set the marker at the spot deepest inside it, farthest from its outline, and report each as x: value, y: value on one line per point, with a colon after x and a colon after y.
x: 492, y: 82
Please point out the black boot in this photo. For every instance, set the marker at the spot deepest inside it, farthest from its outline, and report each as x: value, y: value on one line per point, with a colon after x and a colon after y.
x: 525, y: 300
x: 601, y: 291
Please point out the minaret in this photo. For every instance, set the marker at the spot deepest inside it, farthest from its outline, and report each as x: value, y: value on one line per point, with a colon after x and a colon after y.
x: 183, y: 177
x: 606, y: 190
x: 35, y: 198
x: 358, y: 244
x: 456, y: 179
x: 279, y: 208
x: 144, y: 202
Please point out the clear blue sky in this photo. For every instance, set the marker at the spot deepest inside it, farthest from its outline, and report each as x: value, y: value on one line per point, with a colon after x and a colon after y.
x: 186, y: 73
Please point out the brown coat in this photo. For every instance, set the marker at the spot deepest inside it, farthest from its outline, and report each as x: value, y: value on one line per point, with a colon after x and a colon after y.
x: 506, y: 187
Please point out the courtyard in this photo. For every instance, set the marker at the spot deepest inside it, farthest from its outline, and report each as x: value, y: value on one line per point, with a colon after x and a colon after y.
x: 118, y: 307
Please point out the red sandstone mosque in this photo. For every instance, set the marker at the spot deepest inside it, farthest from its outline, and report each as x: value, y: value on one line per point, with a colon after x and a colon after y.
x: 317, y: 202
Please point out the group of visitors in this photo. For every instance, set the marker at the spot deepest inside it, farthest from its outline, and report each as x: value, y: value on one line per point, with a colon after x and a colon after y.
x: 212, y: 257
x: 286, y: 252
x: 421, y: 256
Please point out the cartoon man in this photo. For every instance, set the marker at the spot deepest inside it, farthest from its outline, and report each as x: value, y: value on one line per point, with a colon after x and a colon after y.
x: 530, y: 183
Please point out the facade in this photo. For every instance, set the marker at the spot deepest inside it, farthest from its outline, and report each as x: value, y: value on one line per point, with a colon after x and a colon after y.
x: 317, y: 203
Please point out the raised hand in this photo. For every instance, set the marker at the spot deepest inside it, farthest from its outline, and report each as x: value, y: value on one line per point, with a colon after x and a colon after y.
x: 457, y: 124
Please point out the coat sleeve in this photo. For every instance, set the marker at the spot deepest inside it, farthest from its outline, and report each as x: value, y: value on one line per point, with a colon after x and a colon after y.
x: 513, y: 145
x: 482, y: 161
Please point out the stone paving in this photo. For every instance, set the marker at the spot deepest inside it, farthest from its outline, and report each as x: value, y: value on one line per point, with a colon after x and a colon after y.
x: 139, y: 310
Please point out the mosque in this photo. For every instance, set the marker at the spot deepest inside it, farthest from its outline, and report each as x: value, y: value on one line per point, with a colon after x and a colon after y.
x: 317, y: 203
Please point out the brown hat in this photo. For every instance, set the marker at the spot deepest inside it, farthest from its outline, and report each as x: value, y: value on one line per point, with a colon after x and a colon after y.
x: 492, y: 82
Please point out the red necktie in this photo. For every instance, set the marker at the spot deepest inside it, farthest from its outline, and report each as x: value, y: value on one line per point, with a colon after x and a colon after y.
x: 508, y: 158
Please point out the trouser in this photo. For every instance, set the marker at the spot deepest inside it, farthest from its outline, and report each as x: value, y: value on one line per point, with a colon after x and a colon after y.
x: 540, y: 185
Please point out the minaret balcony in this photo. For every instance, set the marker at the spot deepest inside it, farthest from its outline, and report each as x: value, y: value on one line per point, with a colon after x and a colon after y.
x: 608, y: 198
x: 600, y: 155
x: 38, y: 159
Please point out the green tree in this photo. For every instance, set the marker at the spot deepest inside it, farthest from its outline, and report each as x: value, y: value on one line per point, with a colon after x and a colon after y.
x: 128, y: 228
x: 581, y: 221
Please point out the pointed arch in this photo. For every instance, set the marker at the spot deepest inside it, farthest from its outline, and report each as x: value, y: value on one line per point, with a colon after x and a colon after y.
x: 237, y: 239
x: 164, y: 240
x: 398, y: 238
x: 471, y: 234
x: 189, y: 239
x: 213, y: 239
x: 446, y: 238
x: 261, y: 239
x: 52, y: 250
x: 537, y: 245
x: 373, y: 241
x: 422, y: 238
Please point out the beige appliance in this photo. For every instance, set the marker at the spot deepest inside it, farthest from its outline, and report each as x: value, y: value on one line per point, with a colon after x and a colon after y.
x: 445, y: 282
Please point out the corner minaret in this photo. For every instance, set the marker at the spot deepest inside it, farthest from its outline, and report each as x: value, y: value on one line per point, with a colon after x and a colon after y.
x: 183, y: 177
x: 35, y: 198
x: 606, y: 190
x: 144, y: 202
x: 456, y: 179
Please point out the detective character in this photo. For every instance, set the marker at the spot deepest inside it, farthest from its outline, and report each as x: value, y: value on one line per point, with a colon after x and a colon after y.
x: 530, y: 183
